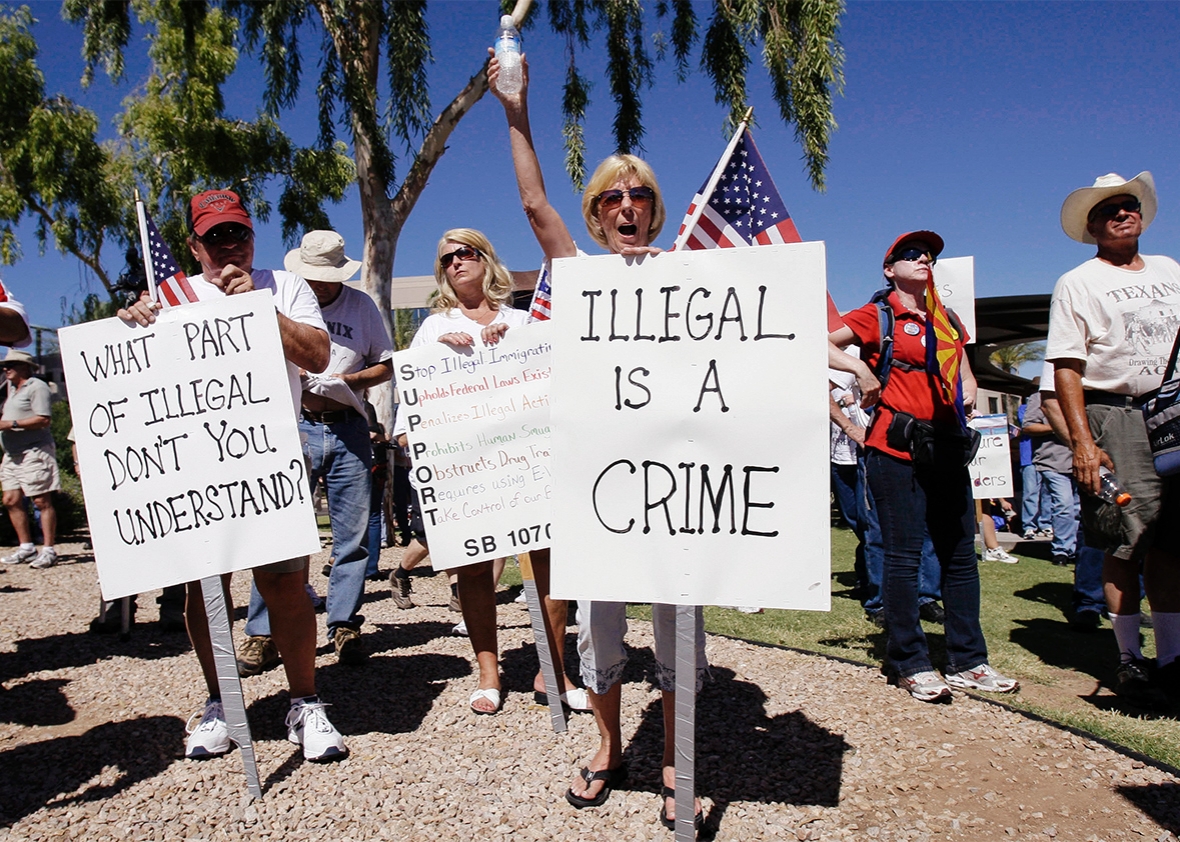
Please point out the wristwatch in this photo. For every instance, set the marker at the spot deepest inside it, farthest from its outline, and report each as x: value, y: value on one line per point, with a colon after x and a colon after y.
x: 16, y: 425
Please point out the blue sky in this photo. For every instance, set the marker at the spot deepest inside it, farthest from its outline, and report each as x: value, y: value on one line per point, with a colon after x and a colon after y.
x: 973, y: 119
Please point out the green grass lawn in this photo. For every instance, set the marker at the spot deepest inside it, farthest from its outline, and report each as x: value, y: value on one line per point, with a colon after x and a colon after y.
x: 1028, y: 638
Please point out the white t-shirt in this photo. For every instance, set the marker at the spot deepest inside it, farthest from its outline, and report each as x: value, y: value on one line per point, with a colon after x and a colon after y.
x: 359, y: 340
x: 1120, y: 322
x: 293, y: 298
x: 453, y: 321
x: 843, y: 448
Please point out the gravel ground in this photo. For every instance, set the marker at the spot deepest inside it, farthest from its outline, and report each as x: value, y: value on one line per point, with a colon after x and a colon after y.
x: 789, y: 746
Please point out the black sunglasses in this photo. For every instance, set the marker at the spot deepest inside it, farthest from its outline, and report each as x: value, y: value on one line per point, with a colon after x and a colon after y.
x: 1108, y: 212
x: 914, y: 253
x: 610, y: 199
x: 461, y: 253
x: 227, y: 232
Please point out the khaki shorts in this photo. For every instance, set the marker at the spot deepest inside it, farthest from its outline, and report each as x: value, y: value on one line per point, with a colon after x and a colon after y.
x: 1152, y: 518
x: 34, y: 472
x: 290, y: 565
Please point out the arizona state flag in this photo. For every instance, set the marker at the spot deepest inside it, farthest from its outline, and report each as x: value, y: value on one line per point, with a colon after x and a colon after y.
x: 943, y: 356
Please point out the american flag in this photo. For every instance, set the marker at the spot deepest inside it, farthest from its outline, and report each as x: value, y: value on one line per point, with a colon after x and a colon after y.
x: 745, y: 209
x: 541, y: 310
x: 171, y: 282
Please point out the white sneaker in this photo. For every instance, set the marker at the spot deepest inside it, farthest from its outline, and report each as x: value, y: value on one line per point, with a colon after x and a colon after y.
x: 998, y: 554
x: 21, y: 555
x: 926, y: 687
x: 522, y: 598
x: 210, y: 737
x: 748, y: 609
x: 308, y: 726
x: 460, y: 629
x: 46, y: 558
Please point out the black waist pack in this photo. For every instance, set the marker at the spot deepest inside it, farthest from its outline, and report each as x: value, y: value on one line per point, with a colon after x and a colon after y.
x: 932, y: 445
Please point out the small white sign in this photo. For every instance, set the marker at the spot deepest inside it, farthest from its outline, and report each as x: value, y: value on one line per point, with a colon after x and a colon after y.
x: 189, y: 452
x: 955, y: 277
x: 690, y: 427
x: 991, y: 469
x: 477, y: 420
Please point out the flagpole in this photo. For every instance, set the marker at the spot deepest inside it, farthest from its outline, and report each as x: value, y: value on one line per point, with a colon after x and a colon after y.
x: 146, y: 246
x: 713, y: 179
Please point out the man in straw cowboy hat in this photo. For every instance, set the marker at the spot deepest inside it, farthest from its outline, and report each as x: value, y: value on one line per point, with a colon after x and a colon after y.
x: 222, y: 242
x: 30, y: 459
x: 1111, y: 327
x: 335, y: 430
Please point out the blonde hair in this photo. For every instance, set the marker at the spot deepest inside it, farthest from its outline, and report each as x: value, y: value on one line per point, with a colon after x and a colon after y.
x: 497, y: 280
x: 617, y: 168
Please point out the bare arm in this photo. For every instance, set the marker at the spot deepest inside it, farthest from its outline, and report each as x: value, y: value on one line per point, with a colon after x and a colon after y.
x: 548, y: 227
x: 870, y: 387
x: 857, y: 434
x: 12, y: 327
x: 35, y: 422
x: 1052, y: 409
x: 382, y: 372
x: 970, y: 387
x: 1087, y: 455
x: 303, y: 345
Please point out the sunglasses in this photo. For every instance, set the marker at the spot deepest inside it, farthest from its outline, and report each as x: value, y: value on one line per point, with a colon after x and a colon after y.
x: 229, y: 232
x: 611, y: 199
x: 913, y: 253
x: 461, y: 253
x: 1108, y: 212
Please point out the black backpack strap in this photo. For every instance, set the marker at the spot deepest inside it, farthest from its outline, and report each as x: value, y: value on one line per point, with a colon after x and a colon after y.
x: 885, y: 325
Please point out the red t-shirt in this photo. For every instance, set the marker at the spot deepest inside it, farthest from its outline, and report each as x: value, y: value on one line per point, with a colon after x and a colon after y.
x: 915, y: 392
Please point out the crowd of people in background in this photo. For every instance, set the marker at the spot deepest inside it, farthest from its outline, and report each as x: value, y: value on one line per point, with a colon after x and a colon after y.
x: 902, y: 395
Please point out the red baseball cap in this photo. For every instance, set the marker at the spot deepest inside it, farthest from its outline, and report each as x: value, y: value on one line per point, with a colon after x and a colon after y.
x: 928, y: 237
x: 214, y: 207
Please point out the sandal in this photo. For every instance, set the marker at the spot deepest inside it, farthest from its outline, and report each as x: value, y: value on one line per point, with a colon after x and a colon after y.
x: 610, y: 777
x: 489, y: 693
x: 577, y: 700
x: 669, y: 792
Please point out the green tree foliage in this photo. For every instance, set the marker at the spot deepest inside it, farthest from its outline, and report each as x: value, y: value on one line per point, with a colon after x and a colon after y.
x: 51, y: 166
x: 1011, y: 357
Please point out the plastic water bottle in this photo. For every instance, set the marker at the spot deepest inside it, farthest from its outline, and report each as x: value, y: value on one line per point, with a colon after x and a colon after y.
x: 508, y: 53
x: 1111, y: 490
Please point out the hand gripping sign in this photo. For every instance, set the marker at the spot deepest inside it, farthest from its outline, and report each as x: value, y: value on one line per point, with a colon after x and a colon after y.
x: 690, y: 439
x: 186, y: 435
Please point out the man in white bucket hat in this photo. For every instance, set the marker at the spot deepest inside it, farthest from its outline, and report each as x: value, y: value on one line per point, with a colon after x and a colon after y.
x: 335, y: 431
x: 30, y: 459
x: 1111, y: 327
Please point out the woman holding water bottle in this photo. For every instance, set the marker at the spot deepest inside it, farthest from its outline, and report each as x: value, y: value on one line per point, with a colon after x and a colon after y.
x: 624, y: 212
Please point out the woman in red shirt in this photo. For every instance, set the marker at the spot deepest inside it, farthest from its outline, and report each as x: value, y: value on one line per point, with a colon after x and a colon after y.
x: 932, y: 494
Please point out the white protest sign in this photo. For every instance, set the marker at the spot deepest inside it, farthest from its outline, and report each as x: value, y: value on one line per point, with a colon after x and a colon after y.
x: 190, y: 455
x: 478, y: 424
x: 691, y: 428
x: 991, y: 469
x: 955, y: 277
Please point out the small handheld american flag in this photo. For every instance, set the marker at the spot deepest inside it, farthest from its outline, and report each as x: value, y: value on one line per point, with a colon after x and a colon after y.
x: 167, y: 282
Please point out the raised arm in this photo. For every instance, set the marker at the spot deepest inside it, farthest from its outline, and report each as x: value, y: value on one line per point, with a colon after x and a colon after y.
x: 548, y: 226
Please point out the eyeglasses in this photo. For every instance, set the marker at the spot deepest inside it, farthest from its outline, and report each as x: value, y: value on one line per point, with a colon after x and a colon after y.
x: 913, y: 253
x: 229, y: 232
x: 640, y: 196
x: 461, y: 253
x: 1108, y: 212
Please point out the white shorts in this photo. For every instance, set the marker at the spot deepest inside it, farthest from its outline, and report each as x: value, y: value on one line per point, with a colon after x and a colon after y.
x: 34, y: 472
x: 601, y: 629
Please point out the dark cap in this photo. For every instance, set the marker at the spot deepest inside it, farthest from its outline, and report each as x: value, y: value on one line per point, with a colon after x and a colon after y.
x: 929, y: 237
x: 214, y: 207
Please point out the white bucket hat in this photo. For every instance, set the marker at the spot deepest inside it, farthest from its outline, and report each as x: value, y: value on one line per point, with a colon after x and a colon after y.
x: 321, y: 257
x: 1080, y: 202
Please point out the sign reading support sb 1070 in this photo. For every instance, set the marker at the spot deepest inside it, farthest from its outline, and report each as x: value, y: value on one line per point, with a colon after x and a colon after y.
x: 690, y: 418
x: 189, y: 452
x: 477, y: 420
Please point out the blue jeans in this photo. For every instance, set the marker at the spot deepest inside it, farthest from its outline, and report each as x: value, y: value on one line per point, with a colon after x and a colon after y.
x: 1032, y: 513
x: 376, y: 498
x: 1087, y: 581
x: 911, y: 504
x: 1063, y: 504
x: 342, y: 455
x: 929, y: 574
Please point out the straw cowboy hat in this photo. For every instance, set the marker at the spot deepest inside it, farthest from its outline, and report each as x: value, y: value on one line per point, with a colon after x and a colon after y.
x: 321, y: 257
x: 1080, y: 202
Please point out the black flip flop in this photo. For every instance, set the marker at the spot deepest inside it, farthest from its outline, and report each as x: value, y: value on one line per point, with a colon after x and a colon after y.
x: 667, y: 793
x: 611, y: 777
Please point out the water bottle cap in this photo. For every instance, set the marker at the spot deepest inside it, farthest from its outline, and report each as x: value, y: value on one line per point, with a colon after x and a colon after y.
x: 1122, y: 499
x: 506, y: 22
